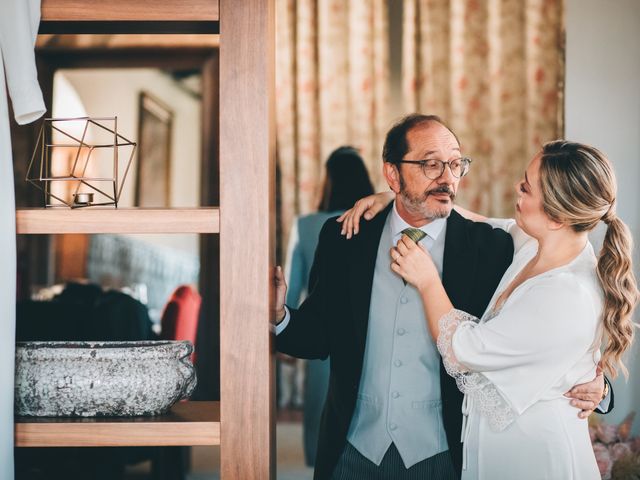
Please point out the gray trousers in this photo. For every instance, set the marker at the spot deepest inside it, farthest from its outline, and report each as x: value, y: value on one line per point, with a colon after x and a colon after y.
x: 355, y: 466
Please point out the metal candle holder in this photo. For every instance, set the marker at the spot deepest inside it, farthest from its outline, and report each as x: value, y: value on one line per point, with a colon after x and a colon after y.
x: 82, y: 152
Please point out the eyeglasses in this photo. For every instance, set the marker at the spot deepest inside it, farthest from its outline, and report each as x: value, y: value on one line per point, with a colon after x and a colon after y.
x: 433, y: 169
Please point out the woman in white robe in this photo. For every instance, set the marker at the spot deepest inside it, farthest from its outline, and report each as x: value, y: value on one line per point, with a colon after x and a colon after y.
x: 543, y: 328
x: 531, y: 348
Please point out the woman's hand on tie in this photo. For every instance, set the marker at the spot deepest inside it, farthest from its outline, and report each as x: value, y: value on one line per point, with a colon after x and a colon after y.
x: 413, y: 263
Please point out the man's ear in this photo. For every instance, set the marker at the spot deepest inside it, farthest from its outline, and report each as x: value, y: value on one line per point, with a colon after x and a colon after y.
x: 392, y: 175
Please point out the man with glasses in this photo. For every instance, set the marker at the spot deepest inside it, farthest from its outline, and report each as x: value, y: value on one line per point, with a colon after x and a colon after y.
x: 391, y: 412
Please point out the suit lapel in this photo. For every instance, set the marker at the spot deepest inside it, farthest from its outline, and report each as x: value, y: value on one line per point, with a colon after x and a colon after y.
x: 362, y: 264
x: 459, y: 263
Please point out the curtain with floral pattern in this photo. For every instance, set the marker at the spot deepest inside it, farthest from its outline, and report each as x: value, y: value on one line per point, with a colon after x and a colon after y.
x: 492, y: 69
x: 332, y: 82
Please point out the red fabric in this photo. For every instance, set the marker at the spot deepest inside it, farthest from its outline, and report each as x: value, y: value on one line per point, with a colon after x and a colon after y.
x: 180, y: 317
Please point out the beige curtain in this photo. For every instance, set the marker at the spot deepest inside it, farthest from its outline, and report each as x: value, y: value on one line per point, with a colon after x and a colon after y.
x: 493, y: 70
x: 331, y: 90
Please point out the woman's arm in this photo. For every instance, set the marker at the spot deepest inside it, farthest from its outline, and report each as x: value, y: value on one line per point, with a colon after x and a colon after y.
x: 524, y: 350
x: 367, y: 207
x: 436, y: 304
x: 414, y: 264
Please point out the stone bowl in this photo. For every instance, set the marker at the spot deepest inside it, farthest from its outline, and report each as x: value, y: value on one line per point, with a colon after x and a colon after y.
x: 90, y: 379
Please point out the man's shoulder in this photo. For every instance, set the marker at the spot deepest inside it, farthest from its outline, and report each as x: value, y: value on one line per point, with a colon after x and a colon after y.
x: 331, y: 230
x: 484, y: 230
x: 482, y: 234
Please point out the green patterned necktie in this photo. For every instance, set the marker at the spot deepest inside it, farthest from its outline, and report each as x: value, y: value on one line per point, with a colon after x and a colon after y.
x: 414, y: 234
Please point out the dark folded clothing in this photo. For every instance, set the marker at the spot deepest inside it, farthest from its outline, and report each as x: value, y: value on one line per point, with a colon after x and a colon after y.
x: 84, y: 313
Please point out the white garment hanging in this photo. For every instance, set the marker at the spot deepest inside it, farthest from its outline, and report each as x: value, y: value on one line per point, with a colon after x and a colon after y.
x: 19, y: 21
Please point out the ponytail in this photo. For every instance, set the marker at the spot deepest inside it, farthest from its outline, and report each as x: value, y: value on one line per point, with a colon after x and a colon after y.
x: 620, y: 293
x: 579, y: 189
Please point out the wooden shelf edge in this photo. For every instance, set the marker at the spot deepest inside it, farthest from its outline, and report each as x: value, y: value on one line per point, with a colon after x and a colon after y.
x: 187, y: 424
x: 129, y: 10
x: 121, y: 220
x: 129, y: 16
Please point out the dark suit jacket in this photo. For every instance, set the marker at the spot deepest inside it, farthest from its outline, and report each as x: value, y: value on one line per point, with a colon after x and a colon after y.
x: 333, y: 319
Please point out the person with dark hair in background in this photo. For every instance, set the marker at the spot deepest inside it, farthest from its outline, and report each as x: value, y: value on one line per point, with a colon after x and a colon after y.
x: 346, y: 180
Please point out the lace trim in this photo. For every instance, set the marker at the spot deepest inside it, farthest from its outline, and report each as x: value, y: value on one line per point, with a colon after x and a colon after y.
x: 482, y: 392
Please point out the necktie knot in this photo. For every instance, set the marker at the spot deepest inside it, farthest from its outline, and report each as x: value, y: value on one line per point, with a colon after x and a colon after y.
x: 414, y: 234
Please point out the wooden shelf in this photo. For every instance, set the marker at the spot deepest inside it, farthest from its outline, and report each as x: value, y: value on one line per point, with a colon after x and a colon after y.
x: 121, y: 220
x: 129, y: 16
x: 187, y: 424
x: 129, y: 10
x: 78, y: 44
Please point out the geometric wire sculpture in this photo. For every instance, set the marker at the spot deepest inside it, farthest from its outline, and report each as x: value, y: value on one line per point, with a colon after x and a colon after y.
x: 75, y: 154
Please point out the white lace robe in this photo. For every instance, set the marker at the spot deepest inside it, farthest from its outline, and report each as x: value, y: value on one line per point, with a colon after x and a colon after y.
x: 514, y: 365
x: 19, y: 20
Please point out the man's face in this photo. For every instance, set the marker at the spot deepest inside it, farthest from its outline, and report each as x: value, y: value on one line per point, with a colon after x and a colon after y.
x: 419, y: 198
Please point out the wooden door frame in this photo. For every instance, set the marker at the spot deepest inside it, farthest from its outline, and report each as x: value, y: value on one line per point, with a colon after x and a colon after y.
x: 247, y: 238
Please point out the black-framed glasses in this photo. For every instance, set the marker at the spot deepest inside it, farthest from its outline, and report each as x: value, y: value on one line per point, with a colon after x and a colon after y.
x: 433, y: 169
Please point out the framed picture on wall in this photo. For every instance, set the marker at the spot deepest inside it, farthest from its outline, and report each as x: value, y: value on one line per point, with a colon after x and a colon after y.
x: 153, y: 179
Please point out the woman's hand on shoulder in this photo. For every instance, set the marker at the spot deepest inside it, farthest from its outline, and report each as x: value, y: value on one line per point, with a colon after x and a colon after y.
x: 367, y: 207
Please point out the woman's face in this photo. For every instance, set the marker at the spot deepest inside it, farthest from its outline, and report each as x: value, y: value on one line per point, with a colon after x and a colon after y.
x: 529, y: 213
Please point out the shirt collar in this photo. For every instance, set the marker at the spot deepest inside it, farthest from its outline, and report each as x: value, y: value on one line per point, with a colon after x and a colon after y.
x: 433, y: 229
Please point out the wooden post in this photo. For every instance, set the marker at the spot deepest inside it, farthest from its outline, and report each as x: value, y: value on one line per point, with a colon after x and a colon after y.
x: 247, y: 237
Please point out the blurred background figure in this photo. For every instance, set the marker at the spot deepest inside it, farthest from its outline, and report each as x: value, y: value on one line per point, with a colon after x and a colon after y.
x: 346, y: 180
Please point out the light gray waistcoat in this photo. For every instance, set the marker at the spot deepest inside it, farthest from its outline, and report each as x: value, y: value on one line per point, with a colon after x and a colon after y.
x: 399, y: 397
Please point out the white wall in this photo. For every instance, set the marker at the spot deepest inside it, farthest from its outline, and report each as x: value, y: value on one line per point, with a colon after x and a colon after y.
x: 114, y: 92
x: 110, y: 92
x: 603, y: 109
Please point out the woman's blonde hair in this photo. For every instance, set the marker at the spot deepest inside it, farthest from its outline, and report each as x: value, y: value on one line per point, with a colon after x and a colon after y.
x: 579, y: 189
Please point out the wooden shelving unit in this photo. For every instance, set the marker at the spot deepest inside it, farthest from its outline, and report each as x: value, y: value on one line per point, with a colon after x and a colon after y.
x: 188, y: 423
x: 121, y: 220
x: 242, y: 423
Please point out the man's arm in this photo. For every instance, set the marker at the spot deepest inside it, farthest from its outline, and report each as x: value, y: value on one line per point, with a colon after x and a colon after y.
x: 303, y: 332
x: 606, y: 405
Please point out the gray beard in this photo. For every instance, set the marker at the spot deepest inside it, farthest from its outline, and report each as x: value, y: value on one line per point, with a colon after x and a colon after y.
x: 416, y: 204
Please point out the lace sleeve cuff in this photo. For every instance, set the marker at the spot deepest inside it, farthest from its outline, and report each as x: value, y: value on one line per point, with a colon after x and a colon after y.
x: 448, y: 324
x: 476, y: 386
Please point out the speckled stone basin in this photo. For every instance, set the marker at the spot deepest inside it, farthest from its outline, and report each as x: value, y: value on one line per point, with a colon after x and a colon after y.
x: 88, y: 379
